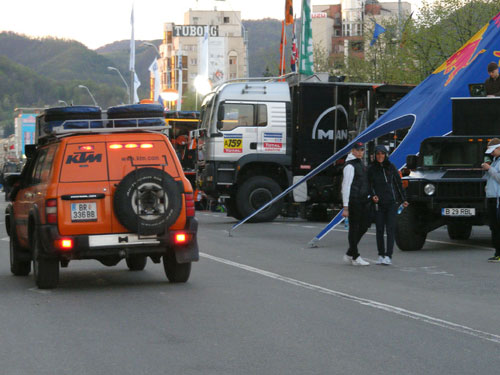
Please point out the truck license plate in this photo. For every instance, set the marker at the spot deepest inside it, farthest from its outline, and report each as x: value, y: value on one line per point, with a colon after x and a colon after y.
x: 84, y: 211
x: 458, y: 212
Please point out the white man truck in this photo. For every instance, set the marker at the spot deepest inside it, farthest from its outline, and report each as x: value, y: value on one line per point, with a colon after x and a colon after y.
x: 256, y: 138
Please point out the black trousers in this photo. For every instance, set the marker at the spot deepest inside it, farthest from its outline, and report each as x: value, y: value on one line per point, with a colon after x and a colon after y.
x: 359, y: 222
x: 385, y: 220
x: 494, y: 222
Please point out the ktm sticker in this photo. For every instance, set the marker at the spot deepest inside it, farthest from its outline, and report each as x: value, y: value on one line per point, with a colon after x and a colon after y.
x: 233, y: 143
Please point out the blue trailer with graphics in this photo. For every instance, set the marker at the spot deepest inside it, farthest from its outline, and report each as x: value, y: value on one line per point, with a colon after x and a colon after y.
x: 257, y: 137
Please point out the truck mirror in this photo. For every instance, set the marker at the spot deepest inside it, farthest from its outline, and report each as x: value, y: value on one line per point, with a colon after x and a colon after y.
x: 29, y: 151
x: 220, y: 117
x: 220, y: 113
x: 411, y: 161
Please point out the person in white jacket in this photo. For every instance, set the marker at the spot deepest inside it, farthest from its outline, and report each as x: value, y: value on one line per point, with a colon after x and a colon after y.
x: 355, y: 197
x: 493, y: 195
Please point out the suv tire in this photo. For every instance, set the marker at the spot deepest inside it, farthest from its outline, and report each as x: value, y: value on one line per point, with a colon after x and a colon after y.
x: 45, y: 270
x: 175, y: 272
x: 254, y: 193
x: 142, y: 186
x: 18, y: 265
x: 408, y: 238
x: 136, y: 262
x: 459, y: 231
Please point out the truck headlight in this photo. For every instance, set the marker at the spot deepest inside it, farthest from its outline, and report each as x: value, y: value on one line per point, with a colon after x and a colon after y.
x: 429, y: 189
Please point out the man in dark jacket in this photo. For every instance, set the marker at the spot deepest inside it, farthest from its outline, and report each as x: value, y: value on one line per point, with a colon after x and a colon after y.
x: 387, y: 192
x: 355, y: 195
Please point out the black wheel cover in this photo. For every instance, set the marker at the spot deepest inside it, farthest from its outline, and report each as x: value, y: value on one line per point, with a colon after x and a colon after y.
x: 147, y: 201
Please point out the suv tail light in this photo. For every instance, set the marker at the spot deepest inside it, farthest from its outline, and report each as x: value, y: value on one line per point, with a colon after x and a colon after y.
x: 51, y: 211
x: 189, y: 204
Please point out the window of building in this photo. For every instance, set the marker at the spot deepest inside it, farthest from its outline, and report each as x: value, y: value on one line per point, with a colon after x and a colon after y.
x: 193, y: 61
x: 357, y: 46
x: 195, y: 20
x: 226, y: 19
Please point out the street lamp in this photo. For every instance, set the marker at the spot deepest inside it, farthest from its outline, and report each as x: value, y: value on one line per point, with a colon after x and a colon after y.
x: 123, y: 79
x: 152, y: 45
x: 92, y: 96
x: 62, y: 102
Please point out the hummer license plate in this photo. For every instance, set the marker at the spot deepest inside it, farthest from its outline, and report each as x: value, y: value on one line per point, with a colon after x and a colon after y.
x: 84, y: 211
x: 458, y: 212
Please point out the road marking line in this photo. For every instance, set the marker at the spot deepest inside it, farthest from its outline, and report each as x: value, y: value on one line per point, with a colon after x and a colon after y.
x: 41, y: 291
x: 363, y: 301
x: 5, y: 239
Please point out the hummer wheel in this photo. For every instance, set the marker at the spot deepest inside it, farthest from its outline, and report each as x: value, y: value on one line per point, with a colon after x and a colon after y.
x: 408, y: 236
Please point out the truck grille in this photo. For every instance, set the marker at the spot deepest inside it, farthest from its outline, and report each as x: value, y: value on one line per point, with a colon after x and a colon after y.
x: 460, y: 189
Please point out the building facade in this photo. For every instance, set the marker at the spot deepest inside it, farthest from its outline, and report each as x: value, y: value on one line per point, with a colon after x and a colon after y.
x: 210, y: 43
x: 350, y: 21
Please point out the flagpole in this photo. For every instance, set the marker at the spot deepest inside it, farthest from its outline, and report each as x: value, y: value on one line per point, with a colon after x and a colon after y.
x: 132, y: 58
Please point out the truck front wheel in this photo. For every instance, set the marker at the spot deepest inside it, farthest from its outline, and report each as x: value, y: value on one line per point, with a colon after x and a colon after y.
x: 254, y: 193
x: 408, y: 236
x: 459, y: 231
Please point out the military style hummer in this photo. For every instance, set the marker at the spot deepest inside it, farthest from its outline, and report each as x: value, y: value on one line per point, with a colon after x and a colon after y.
x: 446, y: 185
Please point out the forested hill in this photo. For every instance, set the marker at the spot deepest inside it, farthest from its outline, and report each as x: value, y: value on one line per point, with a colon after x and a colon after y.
x: 39, y: 72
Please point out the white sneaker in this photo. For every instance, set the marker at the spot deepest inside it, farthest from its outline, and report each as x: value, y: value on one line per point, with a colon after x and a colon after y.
x: 360, y: 262
x: 347, y: 259
x: 381, y: 260
x: 387, y: 261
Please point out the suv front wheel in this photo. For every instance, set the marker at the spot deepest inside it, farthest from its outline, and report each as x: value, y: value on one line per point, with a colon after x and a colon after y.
x: 46, y: 271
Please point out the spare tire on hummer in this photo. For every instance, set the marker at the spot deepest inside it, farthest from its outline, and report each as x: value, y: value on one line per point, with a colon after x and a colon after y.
x: 147, y: 201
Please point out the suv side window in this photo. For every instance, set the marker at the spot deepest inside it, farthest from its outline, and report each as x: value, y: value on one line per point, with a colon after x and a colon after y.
x: 35, y: 177
x: 47, y: 164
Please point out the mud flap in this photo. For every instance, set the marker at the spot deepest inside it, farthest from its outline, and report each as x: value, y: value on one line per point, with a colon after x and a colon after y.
x: 189, y: 252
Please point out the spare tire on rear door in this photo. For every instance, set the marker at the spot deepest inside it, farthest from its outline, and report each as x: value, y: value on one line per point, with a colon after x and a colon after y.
x: 147, y: 201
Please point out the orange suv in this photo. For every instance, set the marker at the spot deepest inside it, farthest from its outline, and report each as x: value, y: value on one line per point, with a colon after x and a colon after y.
x: 104, y: 186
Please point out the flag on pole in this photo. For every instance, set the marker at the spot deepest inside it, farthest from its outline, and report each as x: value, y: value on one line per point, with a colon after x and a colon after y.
x: 288, y: 12
x: 155, y: 71
x: 282, y: 49
x: 137, y: 83
x: 293, y: 56
x: 405, y: 31
x: 306, y: 41
x: 376, y: 33
x: 203, y: 57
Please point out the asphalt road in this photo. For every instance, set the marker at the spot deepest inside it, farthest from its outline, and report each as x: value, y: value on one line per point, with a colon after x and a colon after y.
x: 262, y: 302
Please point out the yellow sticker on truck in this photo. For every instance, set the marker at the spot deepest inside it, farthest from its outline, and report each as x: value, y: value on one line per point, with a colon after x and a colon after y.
x: 233, y: 143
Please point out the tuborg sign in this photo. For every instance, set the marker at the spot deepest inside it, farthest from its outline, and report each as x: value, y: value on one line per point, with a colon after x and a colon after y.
x: 195, y: 30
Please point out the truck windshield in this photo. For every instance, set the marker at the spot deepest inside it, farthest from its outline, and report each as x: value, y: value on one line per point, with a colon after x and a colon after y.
x: 451, y: 154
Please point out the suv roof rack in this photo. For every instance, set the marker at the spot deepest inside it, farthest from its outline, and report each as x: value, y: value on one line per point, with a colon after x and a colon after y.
x: 104, y: 126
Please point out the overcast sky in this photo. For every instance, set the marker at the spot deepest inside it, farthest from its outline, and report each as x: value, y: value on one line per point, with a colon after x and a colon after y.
x: 99, y: 22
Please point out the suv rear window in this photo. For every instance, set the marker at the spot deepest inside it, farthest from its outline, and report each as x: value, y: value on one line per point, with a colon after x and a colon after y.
x: 84, y: 162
